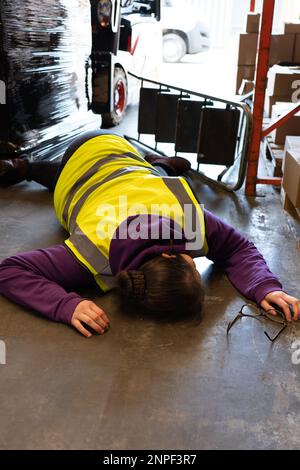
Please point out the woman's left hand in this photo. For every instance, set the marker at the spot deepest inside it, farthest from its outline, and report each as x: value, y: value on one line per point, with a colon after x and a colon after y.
x: 283, y: 301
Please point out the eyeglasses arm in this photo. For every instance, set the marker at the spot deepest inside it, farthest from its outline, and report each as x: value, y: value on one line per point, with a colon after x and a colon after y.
x: 276, y: 336
x: 231, y: 323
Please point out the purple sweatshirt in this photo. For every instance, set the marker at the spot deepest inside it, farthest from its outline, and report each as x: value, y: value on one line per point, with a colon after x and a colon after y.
x: 45, y: 280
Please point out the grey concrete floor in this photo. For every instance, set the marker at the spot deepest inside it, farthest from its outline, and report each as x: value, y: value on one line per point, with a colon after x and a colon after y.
x: 144, y: 385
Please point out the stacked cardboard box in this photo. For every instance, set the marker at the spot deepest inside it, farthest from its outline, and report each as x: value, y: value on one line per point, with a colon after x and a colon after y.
x: 270, y: 101
x: 290, y: 191
x: 291, y: 178
x: 289, y: 128
x: 294, y: 29
x: 244, y: 72
x: 246, y: 87
x: 252, y: 24
x: 283, y: 86
x: 284, y: 48
x: 291, y: 143
x: 247, y: 51
x: 297, y: 49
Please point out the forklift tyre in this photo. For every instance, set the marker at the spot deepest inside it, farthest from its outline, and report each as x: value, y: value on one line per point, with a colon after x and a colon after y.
x: 120, y: 93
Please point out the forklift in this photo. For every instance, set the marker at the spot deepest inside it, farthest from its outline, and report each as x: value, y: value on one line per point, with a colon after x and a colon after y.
x: 125, y: 37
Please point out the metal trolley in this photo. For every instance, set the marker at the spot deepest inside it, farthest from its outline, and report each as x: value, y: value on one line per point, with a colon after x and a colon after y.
x: 217, y: 131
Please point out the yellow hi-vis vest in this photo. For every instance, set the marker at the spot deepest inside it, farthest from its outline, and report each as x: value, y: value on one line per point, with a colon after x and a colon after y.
x: 103, y: 183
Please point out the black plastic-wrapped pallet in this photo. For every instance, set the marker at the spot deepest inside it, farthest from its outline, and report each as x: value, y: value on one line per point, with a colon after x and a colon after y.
x: 44, y: 47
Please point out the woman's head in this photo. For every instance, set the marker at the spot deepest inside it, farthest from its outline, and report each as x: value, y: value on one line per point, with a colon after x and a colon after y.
x: 167, y: 287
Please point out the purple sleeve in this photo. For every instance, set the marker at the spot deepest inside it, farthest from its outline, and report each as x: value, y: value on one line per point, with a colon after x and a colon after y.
x: 42, y: 280
x: 242, y: 262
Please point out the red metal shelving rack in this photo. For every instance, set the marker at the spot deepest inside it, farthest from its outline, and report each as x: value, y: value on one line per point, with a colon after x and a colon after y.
x: 258, y: 132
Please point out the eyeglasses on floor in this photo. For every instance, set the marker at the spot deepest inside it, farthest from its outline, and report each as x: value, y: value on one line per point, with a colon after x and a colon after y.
x: 253, y: 311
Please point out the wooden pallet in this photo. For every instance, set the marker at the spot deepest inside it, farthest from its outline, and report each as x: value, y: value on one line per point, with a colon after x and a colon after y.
x: 274, y: 153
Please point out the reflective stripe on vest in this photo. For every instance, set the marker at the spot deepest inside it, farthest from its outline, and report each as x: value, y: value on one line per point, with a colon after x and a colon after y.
x: 115, y: 174
x: 91, y: 172
x: 177, y: 188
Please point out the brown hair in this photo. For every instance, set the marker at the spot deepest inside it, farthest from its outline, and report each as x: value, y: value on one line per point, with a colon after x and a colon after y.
x: 165, y: 287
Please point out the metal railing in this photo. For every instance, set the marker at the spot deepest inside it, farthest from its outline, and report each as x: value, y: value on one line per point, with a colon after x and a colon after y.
x: 205, y: 102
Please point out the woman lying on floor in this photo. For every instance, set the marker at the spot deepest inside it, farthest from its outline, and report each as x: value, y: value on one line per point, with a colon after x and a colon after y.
x: 134, y: 225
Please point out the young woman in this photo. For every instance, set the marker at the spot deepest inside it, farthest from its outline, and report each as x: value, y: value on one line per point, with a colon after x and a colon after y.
x: 134, y: 226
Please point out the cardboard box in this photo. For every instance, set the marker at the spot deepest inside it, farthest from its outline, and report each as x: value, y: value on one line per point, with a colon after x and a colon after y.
x: 291, y: 177
x: 246, y: 87
x: 296, y: 55
x: 271, y: 100
x: 288, y: 206
x: 291, y: 127
x: 292, y: 142
x: 291, y: 28
x: 244, y: 72
x: 282, y: 48
x: 253, y: 22
x: 282, y: 81
x: 247, y: 49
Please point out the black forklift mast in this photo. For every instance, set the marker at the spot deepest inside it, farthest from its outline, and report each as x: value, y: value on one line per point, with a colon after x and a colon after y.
x: 105, y: 45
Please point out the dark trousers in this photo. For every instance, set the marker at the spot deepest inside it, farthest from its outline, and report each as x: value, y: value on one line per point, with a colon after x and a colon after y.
x: 47, y: 172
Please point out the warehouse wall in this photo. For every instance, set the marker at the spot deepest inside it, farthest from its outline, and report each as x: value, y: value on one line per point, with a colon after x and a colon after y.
x: 227, y: 17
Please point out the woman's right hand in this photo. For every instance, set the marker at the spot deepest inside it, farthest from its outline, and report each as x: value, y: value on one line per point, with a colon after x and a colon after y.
x: 89, y: 313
